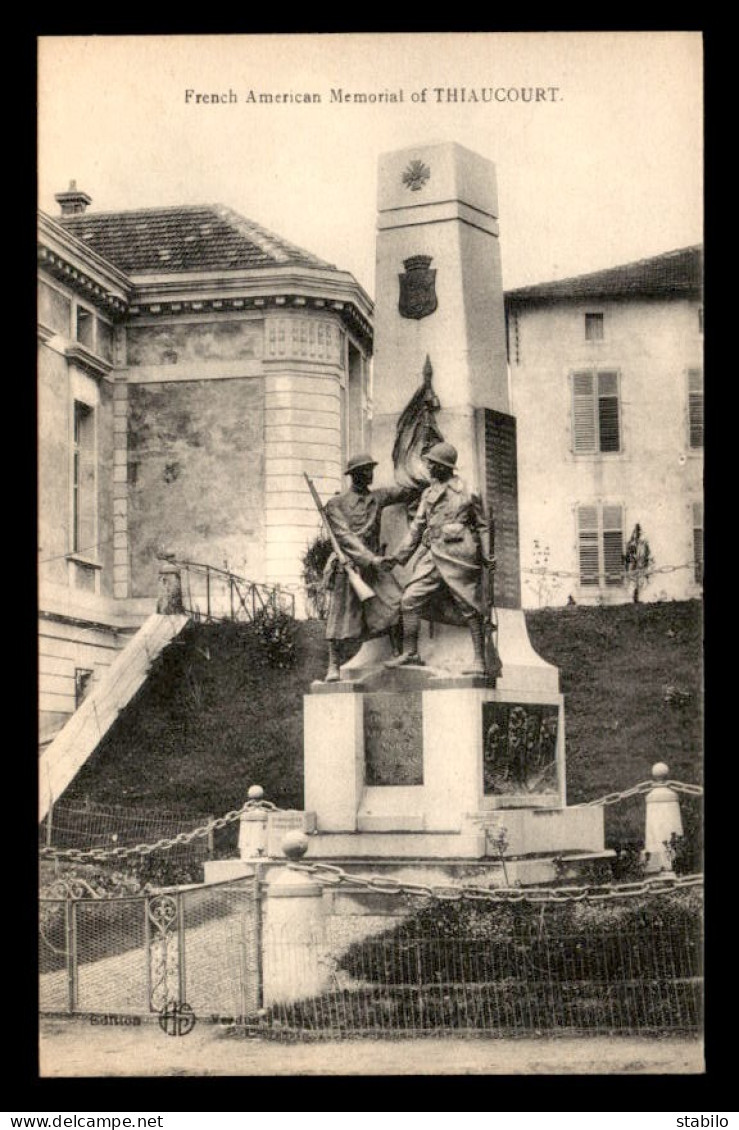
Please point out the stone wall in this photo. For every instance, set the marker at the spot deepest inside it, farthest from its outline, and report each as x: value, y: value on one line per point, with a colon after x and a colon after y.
x: 196, y: 476
x: 53, y: 465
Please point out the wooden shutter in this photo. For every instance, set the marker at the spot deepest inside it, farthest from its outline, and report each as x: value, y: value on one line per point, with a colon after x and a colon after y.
x: 613, y: 545
x: 698, y: 542
x: 583, y: 412
x: 587, y: 524
x: 608, y: 424
x: 695, y: 407
x: 84, y: 479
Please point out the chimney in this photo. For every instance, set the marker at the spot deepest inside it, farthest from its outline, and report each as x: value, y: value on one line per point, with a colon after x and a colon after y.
x: 73, y: 202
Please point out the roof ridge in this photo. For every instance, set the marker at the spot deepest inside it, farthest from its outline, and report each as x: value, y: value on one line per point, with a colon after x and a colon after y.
x: 139, y: 211
x: 664, y: 255
x: 278, y: 242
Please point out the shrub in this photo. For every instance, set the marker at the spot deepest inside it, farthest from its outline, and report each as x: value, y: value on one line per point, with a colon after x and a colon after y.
x: 275, y: 630
x: 687, y: 850
x: 314, y: 562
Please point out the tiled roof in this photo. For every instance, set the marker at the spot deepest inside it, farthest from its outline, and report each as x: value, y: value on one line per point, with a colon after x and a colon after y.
x: 207, y: 237
x: 676, y: 272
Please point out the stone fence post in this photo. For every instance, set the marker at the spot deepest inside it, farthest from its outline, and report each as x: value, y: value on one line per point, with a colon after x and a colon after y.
x: 169, y: 596
x: 253, y: 827
x: 293, y: 931
x: 663, y: 820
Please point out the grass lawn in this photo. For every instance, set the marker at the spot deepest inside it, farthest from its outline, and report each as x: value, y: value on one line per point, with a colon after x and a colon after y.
x: 214, y: 718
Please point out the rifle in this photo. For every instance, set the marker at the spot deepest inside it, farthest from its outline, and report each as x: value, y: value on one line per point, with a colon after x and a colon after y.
x: 360, y: 586
x: 492, y: 657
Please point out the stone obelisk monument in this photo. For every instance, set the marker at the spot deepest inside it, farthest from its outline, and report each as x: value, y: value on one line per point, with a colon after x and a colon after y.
x: 425, y: 762
x: 438, y: 293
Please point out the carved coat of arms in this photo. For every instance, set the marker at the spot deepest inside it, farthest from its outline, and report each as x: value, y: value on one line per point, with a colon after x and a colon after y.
x: 417, y: 288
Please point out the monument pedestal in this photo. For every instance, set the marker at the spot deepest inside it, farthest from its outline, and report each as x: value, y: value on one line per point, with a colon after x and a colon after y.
x: 424, y: 762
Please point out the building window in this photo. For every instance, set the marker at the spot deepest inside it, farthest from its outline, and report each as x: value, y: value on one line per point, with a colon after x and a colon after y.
x: 594, y: 327
x: 595, y: 412
x: 698, y: 542
x: 85, y: 327
x: 695, y: 407
x: 600, y: 545
x: 82, y: 680
x: 83, y: 479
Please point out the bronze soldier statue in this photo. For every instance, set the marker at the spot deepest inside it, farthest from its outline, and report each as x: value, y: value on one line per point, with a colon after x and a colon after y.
x: 447, y: 581
x: 354, y: 517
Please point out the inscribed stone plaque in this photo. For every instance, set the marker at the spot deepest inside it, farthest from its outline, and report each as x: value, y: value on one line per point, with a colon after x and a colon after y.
x: 280, y: 823
x: 393, y: 739
x: 501, y: 494
x: 519, y: 748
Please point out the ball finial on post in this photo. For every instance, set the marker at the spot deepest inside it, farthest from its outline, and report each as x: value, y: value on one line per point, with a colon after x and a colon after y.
x: 663, y: 821
x: 295, y: 845
x: 255, y: 792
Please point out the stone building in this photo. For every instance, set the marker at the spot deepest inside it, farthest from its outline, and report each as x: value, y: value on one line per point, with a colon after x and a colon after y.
x: 606, y: 373
x: 192, y: 366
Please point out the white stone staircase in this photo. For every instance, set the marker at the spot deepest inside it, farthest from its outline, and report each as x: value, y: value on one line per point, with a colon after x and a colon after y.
x: 67, y: 753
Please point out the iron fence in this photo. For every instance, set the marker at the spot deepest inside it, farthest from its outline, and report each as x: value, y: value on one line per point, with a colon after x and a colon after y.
x: 213, y: 594
x: 515, y: 971
x: 421, y: 967
x: 135, y: 956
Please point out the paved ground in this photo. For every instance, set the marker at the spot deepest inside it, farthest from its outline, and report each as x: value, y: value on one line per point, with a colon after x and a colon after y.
x: 75, y: 1047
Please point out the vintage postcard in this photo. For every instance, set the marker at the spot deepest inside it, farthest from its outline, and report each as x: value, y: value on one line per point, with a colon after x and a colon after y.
x: 370, y: 463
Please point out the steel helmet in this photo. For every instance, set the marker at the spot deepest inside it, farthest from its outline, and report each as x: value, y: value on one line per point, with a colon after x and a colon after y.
x: 442, y: 453
x: 356, y: 461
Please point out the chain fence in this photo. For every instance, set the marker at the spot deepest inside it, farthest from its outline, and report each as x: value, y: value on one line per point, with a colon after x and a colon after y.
x: 106, y: 829
x: 117, y: 850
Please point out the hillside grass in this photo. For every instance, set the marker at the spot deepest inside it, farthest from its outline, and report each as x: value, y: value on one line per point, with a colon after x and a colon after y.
x: 215, y: 718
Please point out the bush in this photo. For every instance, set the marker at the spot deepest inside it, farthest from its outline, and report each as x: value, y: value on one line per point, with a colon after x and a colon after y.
x: 314, y: 562
x: 276, y: 633
x: 687, y: 850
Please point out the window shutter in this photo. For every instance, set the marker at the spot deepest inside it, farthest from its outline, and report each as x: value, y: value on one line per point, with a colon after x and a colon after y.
x: 695, y: 407
x: 583, y: 401
x: 587, y: 521
x: 613, y: 548
x: 84, y: 478
x: 698, y: 542
x: 593, y: 327
x: 608, y: 425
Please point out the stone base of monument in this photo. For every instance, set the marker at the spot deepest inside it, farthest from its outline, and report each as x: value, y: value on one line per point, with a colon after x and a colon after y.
x: 493, y: 873
x: 424, y: 766
x: 447, y: 651
x: 425, y: 762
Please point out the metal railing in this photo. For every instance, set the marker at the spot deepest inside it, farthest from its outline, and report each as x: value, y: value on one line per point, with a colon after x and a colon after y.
x: 137, y: 956
x: 519, y: 970
x: 432, y: 967
x: 211, y: 594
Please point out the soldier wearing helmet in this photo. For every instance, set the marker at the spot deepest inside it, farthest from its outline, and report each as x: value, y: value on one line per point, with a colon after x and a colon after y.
x: 355, y: 520
x: 446, y: 586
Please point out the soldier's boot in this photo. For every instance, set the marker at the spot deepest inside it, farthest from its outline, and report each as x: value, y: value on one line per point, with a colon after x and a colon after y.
x: 333, y: 674
x: 395, y: 635
x: 477, y: 631
x: 495, y: 666
x: 409, y: 655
